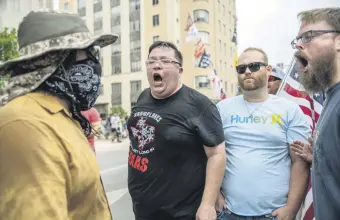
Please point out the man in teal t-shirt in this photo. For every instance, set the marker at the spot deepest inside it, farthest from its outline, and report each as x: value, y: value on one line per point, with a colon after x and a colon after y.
x: 263, y: 179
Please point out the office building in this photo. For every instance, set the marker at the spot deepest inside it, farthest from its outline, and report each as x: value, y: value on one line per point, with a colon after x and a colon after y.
x: 13, y: 11
x: 141, y: 22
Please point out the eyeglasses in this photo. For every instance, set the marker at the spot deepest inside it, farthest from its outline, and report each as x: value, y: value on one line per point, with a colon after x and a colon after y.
x: 164, y: 62
x: 253, y: 67
x: 273, y: 78
x: 309, y: 35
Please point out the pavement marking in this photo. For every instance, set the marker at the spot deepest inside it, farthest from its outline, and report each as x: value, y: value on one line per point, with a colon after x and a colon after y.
x: 113, y: 169
x: 114, y: 196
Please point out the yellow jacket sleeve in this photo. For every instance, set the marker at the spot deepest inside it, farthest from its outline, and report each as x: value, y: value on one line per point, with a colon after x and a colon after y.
x: 34, y: 173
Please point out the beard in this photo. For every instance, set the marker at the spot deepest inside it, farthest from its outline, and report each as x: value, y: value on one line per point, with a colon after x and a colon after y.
x: 320, y: 72
x: 258, y: 82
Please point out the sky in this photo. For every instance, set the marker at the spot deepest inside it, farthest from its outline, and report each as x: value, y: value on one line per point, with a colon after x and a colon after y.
x: 272, y: 24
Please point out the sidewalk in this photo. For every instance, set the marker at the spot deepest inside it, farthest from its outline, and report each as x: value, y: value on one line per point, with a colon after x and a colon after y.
x: 107, y: 145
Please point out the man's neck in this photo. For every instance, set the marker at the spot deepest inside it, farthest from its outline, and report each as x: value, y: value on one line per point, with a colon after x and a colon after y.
x: 259, y: 95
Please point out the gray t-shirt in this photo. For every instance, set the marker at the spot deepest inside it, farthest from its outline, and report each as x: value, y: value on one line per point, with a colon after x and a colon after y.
x: 326, y: 159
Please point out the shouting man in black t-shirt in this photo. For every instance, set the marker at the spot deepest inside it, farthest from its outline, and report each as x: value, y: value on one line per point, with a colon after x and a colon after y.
x: 177, y: 156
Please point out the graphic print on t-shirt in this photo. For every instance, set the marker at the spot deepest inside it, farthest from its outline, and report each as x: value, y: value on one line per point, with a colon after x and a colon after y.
x: 143, y: 132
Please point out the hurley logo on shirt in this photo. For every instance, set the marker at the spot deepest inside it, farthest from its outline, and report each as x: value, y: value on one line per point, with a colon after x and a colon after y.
x: 273, y: 119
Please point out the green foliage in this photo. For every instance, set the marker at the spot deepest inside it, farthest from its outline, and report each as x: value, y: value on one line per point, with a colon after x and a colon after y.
x: 118, y: 110
x: 8, y: 45
x: 8, y: 48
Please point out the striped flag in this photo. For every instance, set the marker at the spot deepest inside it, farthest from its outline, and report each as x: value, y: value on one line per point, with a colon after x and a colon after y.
x: 311, y: 107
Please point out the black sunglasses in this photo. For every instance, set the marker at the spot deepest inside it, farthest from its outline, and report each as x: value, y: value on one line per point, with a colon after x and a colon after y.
x: 253, y: 67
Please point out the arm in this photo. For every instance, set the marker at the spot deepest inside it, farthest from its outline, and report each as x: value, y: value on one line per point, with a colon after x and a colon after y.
x: 34, y: 173
x: 95, y: 121
x: 297, y: 129
x: 298, y: 182
x: 211, y: 132
x: 214, y: 174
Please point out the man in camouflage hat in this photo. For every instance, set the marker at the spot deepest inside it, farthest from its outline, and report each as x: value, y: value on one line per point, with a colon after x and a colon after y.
x: 47, y: 167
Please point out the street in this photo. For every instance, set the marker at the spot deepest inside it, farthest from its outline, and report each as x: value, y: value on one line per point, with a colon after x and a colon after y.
x: 112, y: 159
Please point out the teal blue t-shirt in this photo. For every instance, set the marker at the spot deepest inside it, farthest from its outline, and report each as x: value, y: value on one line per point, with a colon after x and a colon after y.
x: 256, y: 180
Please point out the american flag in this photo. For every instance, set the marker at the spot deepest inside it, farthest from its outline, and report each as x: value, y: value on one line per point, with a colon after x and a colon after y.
x: 311, y: 107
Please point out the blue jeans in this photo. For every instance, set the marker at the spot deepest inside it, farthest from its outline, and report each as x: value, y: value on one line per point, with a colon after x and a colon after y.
x: 228, y: 215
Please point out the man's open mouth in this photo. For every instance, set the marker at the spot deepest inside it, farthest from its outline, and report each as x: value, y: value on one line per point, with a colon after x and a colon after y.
x: 302, y: 60
x: 157, y: 78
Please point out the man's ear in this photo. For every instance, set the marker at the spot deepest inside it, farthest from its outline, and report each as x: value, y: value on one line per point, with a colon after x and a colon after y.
x: 337, y: 43
x: 180, y: 70
x: 269, y: 69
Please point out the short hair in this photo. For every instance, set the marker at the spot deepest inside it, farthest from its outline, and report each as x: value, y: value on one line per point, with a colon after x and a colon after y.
x: 178, y: 54
x: 265, y: 57
x: 330, y: 15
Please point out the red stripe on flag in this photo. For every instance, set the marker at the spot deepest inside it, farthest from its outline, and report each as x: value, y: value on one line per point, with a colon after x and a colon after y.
x: 306, y: 110
x: 297, y: 93
x: 310, y: 213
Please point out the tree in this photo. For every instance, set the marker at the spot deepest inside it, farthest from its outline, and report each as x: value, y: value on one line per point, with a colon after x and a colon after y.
x: 8, y: 48
x: 118, y: 110
x: 8, y: 45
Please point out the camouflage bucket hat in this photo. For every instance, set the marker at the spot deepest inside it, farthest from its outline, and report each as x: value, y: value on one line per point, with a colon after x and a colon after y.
x: 45, y: 39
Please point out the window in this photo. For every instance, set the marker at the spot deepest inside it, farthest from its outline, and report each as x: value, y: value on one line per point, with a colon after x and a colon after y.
x: 226, y: 86
x: 225, y: 66
x: 201, y: 16
x: 116, y: 97
x: 115, y: 3
x: 135, y: 90
x: 66, y: 6
x: 219, y: 25
x: 225, y: 49
x: 229, y: 17
x: 202, y: 82
x: 155, y: 20
x: 220, y: 45
x: 231, y: 52
x: 98, y: 6
x: 116, y: 63
x: 219, y: 5
x: 155, y: 38
x: 204, y: 36
x: 223, y: 8
x: 221, y: 67
x: 225, y: 30
x: 134, y: 25
x: 136, y: 66
x: 81, y: 3
x: 154, y: 2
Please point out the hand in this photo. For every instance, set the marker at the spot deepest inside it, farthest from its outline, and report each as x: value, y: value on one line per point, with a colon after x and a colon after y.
x: 284, y: 213
x: 220, y: 203
x: 305, y: 151
x: 206, y: 212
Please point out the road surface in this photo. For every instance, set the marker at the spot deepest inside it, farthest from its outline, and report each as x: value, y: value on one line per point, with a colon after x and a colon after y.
x: 112, y: 159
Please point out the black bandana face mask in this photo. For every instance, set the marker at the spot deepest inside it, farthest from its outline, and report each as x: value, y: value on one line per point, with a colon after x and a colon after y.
x: 79, y: 83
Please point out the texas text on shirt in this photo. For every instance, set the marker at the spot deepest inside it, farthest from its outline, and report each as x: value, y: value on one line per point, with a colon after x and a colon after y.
x: 258, y: 160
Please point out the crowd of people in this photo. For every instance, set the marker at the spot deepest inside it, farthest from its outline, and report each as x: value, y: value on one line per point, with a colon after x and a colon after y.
x: 248, y: 157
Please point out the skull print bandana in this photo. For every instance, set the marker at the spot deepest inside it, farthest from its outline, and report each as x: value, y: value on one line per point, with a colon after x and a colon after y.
x: 79, y: 83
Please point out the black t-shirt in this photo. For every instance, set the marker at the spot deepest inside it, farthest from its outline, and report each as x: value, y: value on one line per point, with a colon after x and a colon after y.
x: 326, y: 162
x: 167, y: 160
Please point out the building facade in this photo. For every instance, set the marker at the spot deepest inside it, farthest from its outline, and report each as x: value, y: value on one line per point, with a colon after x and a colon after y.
x: 139, y: 23
x: 13, y: 11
